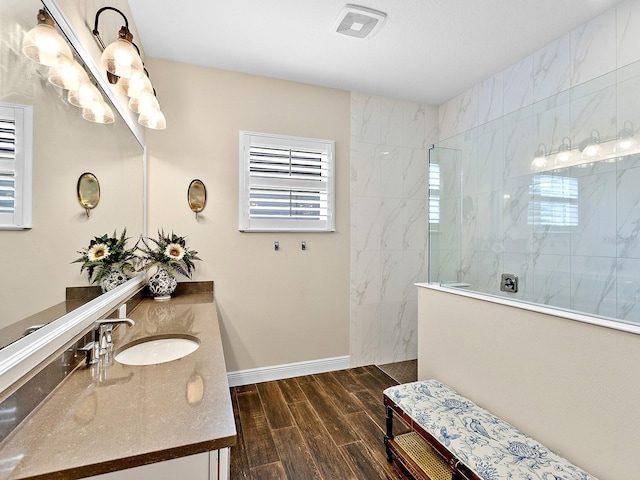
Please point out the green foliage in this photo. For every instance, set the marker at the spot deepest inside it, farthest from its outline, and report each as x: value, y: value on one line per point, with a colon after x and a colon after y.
x: 106, y: 253
x: 170, y: 252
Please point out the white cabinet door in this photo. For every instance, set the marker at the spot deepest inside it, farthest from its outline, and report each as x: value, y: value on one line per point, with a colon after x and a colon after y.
x: 193, y: 467
x: 220, y: 464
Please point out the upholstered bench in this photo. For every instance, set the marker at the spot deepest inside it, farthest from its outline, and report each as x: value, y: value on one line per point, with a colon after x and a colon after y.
x: 450, y: 437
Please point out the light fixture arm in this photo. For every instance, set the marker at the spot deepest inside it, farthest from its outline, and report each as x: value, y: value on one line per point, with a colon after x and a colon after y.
x: 95, y: 31
x: 124, y: 33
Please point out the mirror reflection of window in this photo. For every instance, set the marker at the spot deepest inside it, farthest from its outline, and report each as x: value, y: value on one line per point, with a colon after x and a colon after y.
x: 553, y: 201
x: 434, y: 193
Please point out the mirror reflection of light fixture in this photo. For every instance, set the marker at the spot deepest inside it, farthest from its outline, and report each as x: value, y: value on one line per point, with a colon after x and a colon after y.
x: 153, y: 119
x: 539, y: 158
x: 69, y: 77
x: 590, y: 147
x: 121, y: 58
x: 564, y: 154
x: 85, y: 97
x: 44, y: 45
x: 144, y: 104
x: 135, y: 87
x: 99, y: 112
x: 626, y: 140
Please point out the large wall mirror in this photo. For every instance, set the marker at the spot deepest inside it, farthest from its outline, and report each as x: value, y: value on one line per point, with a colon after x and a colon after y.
x: 37, y: 262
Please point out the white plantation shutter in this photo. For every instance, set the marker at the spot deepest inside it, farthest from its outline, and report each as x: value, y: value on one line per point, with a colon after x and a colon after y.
x: 286, y: 183
x: 16, y: 131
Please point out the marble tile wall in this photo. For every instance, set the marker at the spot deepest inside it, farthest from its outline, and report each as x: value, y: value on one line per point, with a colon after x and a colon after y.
x: 389, y: 161
x: 588, y: 79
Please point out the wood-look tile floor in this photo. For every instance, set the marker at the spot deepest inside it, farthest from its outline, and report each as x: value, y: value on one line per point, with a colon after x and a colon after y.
x: 324, y: 426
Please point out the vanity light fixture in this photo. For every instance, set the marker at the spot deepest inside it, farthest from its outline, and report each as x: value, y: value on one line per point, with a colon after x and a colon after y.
x: 124, y: 67
x: 564, y: 155
x: 590, y: 147
x: 44, y: 45
x: 99, y: 112
x: 590, y: 151
x: 144, y: 103
x: 540, y: 158
x: 135, y: 87
x: 69, y: 77
x: 85, y: 97
x: 121, y: 58
x: 626, y: 140
x: 153, y: 119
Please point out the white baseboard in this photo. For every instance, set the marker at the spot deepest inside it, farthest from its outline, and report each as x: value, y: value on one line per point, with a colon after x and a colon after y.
x: 278, y: 372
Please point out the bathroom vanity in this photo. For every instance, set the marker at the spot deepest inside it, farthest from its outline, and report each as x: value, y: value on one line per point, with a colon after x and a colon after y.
x: 115, y: 421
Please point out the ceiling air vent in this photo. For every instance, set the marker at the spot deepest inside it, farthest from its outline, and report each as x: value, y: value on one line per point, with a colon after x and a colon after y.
x: 359, y: 22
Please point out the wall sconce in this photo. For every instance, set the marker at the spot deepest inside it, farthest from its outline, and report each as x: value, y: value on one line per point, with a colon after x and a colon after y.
x: 44, y: 45
x: 120, y: 58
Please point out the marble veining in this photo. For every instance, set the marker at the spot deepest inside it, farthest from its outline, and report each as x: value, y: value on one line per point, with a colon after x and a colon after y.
x: 389, y: 166
x: 567, y: 90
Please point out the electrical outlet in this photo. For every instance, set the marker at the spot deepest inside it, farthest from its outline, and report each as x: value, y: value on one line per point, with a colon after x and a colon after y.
x: 509, y: 283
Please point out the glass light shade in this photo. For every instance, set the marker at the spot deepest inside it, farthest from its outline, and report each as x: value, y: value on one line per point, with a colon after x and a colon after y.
x: 539, y: 158
x: 564, y: 155
x: 591, y: 151
x: 44, y: 45
x: 121, y: 59
x: 100, y: 112
x: 153, y: 119
x: 145, y: 103
x: 539, y: 161
x: 69, y: 77
x: 625, y: 143
x: 135, y: 87
x: 85, y: 96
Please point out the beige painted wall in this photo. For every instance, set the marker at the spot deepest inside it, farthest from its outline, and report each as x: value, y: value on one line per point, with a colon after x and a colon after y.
x: 276, y: 307
x: 574, y: 387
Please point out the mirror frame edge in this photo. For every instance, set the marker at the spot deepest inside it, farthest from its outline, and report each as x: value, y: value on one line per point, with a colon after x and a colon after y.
x: 25, y: 356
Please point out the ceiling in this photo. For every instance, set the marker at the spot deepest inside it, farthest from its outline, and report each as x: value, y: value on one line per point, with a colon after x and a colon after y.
x: 427, y: 51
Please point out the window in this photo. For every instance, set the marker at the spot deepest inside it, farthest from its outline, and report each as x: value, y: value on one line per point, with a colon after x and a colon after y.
x: 286, y: 183
x: 554, y: 201
x: 434, y: 193
x: 16, y: 131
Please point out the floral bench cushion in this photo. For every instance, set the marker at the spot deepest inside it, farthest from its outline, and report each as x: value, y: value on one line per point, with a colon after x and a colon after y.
x: 489, y: 446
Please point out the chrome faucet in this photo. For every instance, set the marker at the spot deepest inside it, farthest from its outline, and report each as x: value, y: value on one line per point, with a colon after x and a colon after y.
x: 102, y: 342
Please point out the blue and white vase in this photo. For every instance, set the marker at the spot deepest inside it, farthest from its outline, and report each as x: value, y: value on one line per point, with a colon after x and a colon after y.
x: 112, y: 279
x: 162, y: 284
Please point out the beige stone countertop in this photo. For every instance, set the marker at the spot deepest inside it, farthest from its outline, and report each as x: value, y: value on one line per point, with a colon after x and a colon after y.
x: 105, y: 419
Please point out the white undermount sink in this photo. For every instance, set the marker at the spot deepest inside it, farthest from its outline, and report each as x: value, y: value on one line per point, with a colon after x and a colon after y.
x: 156, y: 350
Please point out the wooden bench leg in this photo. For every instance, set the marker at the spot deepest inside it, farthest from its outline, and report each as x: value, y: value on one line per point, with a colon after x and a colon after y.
x: 389, y: 435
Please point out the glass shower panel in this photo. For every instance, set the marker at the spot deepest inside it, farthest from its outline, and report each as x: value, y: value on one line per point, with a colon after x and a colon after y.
x: 445, y: 173
x: 548, y: 193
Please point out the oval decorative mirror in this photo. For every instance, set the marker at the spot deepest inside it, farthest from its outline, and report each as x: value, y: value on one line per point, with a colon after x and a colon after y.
x: 197, y: 196
x: 88, y: 191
